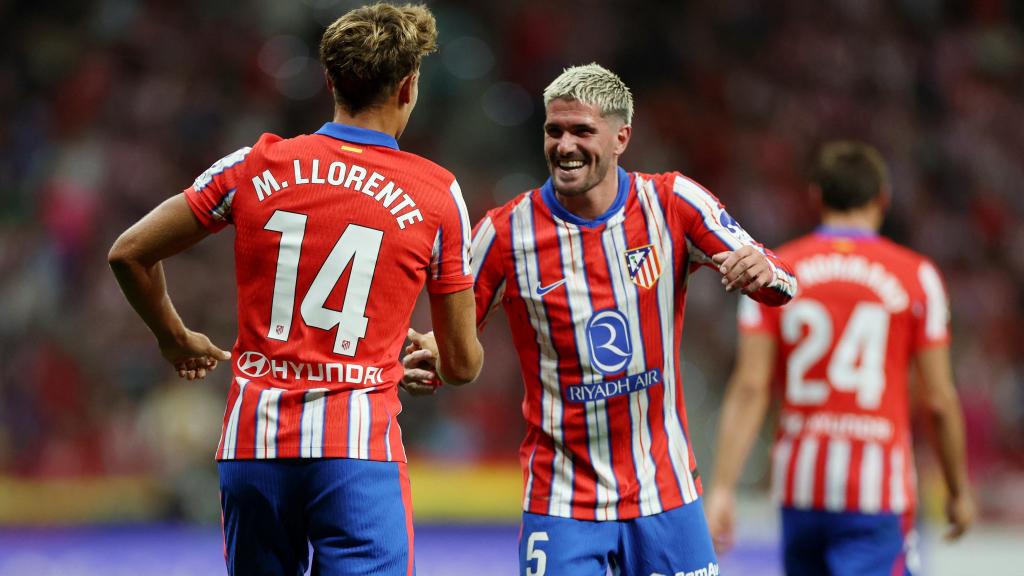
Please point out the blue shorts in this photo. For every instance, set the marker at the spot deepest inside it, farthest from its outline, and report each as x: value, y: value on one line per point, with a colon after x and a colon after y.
x: 823, y: 543
x: 354, y: 514
x: 672, y: 542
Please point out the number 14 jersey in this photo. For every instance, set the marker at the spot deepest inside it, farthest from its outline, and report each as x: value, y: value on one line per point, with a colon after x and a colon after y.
x: 336, y: 234
x: 866, y: 306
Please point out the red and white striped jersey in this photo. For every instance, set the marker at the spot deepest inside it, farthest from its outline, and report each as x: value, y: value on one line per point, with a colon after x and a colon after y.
x: 596, y: 312
x: 336, y: 234
x: 866, y: 306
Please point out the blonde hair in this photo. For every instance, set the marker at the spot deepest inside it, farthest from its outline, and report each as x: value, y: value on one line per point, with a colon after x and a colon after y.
x: 594, y: 85
x: 369, y: 50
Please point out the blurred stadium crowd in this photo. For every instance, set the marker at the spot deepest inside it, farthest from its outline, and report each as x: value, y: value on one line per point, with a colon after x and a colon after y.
x: 107, y: 107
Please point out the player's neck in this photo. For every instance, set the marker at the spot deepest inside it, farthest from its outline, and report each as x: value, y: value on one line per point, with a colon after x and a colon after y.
x: 594, y: 202
x: 386, y: 121
x: 864, y: 219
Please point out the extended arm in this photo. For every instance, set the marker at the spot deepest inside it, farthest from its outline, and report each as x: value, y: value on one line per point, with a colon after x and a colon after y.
x: 453, y: 346
x: 135, y: 260
x: 716, y: 237
x: 746, y: 402
x: 459, y: 353
x: 944, y: 415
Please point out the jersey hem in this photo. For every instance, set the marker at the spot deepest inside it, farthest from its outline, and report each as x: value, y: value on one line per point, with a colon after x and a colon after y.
x: 328, y: 453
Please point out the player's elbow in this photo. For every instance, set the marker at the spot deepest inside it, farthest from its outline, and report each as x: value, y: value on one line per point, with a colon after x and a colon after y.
x: 123, y: 252
x: 750, y: 389
x: 941, y: 403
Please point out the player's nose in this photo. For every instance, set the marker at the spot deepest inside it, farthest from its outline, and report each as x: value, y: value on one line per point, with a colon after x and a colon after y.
x: 566, y: 145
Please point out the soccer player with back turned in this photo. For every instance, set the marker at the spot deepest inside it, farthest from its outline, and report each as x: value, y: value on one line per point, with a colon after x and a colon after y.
x: 335, y: 235
x: 842, y: 464
x: 591, y: 269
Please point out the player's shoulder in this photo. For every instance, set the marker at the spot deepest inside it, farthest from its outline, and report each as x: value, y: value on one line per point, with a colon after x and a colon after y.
x: 905, y: 261
x: 426, y: 169
x: 499, y: 215
x: 895, y: 250
x: 895, y: 256
x: 672, y: 180
x: 268, y: 141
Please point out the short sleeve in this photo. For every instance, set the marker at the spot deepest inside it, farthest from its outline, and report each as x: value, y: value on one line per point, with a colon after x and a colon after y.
x: 931, y: 314
x: 211, y: 194
x: 450, y: 269
x: 753, y: 317
x: 489, y: 284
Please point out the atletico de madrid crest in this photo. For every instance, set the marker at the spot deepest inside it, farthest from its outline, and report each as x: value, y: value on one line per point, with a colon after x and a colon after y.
x: 643, y: 265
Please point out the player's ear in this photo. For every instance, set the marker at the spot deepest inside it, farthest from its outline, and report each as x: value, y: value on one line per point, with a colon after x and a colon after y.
x: 622, y: 138
x: 885, y: 197
x: 408, y: 88
x: 329, y: 82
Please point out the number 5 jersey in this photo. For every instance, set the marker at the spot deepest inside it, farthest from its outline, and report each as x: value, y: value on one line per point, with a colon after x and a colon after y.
x: 336, y: 234
x: 596, y: 313
x: 845, y: 343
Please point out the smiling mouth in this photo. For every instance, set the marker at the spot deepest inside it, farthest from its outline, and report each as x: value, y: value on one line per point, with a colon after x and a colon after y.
x: 569, y: 165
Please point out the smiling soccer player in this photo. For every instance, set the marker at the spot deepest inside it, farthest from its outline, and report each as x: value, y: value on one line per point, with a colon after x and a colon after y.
x: 591, y: 269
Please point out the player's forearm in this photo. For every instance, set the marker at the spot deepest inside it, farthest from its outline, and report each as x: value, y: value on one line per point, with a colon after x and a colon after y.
x: 950, y: 442
x: 145, y: 289
x: 742, y: 415
x: 462, y: 368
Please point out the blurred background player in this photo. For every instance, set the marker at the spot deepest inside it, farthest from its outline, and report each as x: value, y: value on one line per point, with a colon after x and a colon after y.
x: 868, y: 310
x: 591, y: 269
x: 336, y: 234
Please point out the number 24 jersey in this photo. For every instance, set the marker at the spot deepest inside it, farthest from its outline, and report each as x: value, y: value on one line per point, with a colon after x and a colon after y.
x: 866, y: 306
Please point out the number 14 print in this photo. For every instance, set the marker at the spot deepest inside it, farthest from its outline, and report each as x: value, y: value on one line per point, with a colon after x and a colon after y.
x: 359, y: 245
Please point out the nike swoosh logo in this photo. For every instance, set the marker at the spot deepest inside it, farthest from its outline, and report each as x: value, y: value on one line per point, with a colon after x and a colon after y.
x: 542, y: 290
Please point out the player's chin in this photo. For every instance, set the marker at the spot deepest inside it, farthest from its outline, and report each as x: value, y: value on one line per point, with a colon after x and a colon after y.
x: 569, y: 183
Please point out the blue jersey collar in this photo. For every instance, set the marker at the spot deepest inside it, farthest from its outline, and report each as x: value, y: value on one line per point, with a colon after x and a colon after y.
x: 547, y: 192
x: 839, y: 232
x: 358, y: 135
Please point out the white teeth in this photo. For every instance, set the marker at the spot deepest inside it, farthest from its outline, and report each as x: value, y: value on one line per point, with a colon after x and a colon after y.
x: 570, y: 164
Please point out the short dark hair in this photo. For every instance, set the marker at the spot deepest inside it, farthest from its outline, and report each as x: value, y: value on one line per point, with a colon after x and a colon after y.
x: 369, y: 50
x: 850, y: 174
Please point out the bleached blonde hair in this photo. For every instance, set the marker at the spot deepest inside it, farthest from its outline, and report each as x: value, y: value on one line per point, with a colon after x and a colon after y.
x: 594, y: 85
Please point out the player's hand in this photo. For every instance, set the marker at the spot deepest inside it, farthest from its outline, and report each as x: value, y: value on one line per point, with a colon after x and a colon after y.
x: 720, y: 509
x: 420, y: 363
x: 960, y: 511
x: 420, y: 378
x: 193, y: 355
x: 746, y: 268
